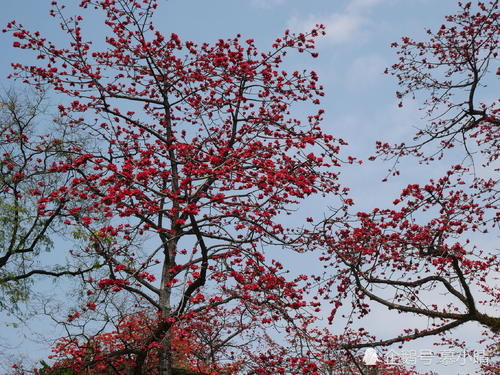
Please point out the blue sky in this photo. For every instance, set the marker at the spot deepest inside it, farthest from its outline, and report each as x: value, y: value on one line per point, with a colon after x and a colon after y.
x: 360, y: 103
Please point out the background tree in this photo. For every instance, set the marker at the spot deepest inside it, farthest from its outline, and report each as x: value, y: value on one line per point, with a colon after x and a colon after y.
x: 197, y: 156
x: 28, y: 222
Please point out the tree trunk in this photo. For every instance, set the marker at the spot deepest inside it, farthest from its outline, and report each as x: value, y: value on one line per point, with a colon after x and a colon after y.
x: 493, y: 323
x: 181, y: 371
x: 166, y: 359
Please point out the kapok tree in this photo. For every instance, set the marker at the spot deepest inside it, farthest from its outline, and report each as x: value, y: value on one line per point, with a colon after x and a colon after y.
x: 452, y: 71
x: 401, y: 257
x: 90, y: 357
x: 432, y: 254
x: 194, y: 154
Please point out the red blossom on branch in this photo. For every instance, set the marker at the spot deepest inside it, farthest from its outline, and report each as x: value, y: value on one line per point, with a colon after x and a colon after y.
x: 198, y: 150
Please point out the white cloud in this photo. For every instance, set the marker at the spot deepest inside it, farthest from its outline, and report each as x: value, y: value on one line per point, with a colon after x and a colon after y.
x: 266, y: 3
x: 342, y: 27
x: 366, y: 71
x: 360, y: 5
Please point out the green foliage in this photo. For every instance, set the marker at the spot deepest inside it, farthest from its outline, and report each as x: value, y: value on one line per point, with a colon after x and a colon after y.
x: 25, y: 159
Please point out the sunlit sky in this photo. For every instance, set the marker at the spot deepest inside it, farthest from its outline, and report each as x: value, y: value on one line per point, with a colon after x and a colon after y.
x: 360, y: 103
